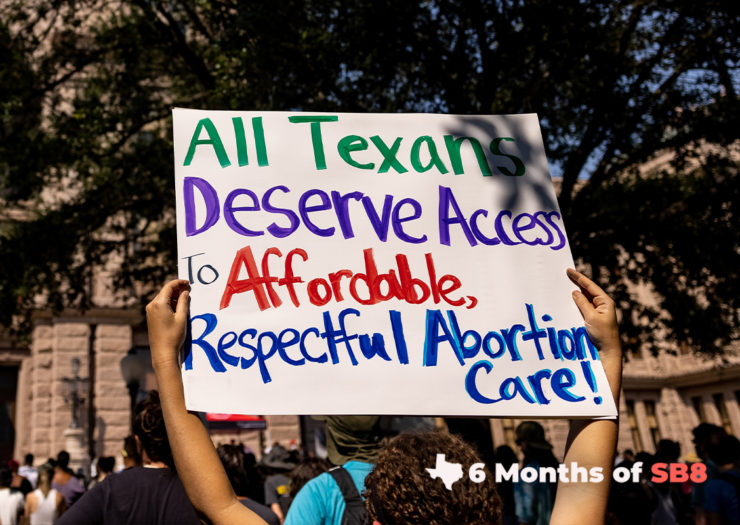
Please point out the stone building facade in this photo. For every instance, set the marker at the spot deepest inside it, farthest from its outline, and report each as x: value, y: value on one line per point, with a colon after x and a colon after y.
x: 40, y: 411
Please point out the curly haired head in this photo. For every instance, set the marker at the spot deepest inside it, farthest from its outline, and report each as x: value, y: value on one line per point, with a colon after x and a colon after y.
x: 400, y: 491
x: 148, y: 426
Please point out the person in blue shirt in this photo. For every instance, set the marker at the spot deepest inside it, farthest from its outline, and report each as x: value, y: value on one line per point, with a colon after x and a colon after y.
x: 353, y: 442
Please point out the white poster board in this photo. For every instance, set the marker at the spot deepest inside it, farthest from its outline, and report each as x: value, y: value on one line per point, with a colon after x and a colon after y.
x: 377, y: 264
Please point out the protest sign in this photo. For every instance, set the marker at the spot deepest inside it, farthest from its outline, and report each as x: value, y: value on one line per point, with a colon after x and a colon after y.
x: 377, y: 264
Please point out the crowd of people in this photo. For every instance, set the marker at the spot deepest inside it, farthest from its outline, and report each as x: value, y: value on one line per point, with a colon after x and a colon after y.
x: 173, y: 474
x: 712, y: 497
x: 39, y: 494
x: 272, y: 487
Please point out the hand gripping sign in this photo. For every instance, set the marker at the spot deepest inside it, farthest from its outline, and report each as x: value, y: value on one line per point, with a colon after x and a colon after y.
x: 377, y: 264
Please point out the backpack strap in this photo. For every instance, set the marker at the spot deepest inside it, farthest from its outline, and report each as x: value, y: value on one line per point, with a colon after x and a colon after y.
x: 354, y: 511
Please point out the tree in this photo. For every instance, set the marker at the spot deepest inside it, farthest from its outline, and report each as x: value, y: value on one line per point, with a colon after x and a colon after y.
x: 89, y: 86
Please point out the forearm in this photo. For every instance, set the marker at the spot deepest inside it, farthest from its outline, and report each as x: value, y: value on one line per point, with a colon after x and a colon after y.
x: 612, y: 363
x: 591, y: 445
x: 275, y: 507
x: 197, y: 462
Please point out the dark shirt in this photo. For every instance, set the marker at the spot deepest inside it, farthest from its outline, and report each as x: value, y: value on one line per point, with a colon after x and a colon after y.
x: 721, y: 496
x: 277, y: 490
x: 136, y: 496
x: 260, y: 510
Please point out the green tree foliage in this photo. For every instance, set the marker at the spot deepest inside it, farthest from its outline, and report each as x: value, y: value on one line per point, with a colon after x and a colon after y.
x: 87, y: 87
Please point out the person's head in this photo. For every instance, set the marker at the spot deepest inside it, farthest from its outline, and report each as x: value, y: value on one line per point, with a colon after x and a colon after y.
x: 148, y: 427
x: 531, y: 435
x: 306, y: 470
x: 647, y: 461
x: 63, y: 460
x: 400, y: 490
x: 506, y: 456
x: 28, y: 460
x: 357, y: 438
x: 106, y: 464
x: 645, y: 457
x: 628, y: 454
x: 250, y: 460
x: 46, y: 473
x: 232, y: 458
x: 13, y: 466
x: 667, y: 451
x: 704, y: 435
x: 725, y: 452
x: 130, y: 452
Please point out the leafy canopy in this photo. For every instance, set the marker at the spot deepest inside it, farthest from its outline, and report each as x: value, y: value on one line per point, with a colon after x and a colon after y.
x: 87, y: 86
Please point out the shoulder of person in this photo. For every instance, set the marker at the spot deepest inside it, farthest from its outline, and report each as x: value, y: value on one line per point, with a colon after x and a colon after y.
x: 358, y: 465
x: 135, y: 476
x: 358, y: 469
x: 310, y: 501
x: 318, y: 484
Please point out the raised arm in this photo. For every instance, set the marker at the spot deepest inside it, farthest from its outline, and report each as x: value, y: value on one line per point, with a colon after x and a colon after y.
x: 591, y: 443
x: 198, y: 465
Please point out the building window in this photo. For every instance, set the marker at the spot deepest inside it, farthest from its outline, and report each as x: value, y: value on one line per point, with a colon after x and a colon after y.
x: 636, y: 441
x: 652, y: 421
x: 719, y: 402
x: 699, y: 409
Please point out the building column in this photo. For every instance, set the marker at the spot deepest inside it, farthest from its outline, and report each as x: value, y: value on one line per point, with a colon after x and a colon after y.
x: 112, y: 401
x: 733, y: 409
x: 71, y: 340
x: 624, y: 437
x: 42, y: 345
x: 643, y: 427
x: 710, y: 411
x: 23, y: 406
x: 497, y: 431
